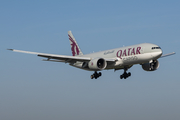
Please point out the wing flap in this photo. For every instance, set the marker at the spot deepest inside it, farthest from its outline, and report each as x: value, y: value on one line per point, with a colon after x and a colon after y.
x: 69, y: 59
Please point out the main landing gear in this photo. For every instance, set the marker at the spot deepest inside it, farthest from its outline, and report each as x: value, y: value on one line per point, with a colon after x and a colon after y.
x: 125, y: 74
x: 96, y: 75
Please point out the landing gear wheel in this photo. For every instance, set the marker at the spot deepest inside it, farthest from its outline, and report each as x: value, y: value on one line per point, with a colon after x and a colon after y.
x: 129, y: 74
x: 92, y: 76
x: 125, y: 74
x: 121, y: 76
x: 96, y: 75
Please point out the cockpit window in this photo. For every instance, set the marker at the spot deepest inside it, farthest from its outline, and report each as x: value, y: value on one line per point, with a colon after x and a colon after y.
x: 156, y: 48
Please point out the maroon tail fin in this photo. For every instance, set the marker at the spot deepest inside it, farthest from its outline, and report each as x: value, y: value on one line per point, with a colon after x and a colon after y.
x: 74, y: 46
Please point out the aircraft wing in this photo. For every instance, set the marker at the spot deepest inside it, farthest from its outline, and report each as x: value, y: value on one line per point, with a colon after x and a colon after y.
x: 61, y: 58
x: 58, y: 58
x: 168, y: 54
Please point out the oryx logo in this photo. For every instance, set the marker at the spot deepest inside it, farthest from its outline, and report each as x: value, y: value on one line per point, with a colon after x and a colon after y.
x: 74, y: 47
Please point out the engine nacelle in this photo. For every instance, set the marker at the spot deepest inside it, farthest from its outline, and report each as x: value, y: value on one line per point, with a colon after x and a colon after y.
x: 97, y: 64
x: 151, y: 66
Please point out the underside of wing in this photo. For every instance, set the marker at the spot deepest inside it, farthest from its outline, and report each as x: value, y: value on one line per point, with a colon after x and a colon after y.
x: 64, y: 58
x: 57, y: 58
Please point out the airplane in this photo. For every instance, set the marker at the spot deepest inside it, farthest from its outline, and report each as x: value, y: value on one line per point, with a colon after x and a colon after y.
x: 145, y: 54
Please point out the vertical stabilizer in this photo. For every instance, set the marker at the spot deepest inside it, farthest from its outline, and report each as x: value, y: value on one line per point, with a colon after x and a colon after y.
x: 74, y: 46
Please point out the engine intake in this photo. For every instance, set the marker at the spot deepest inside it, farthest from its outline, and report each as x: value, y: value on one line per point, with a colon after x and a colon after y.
x: 151, y: 66
x: 97, y: 64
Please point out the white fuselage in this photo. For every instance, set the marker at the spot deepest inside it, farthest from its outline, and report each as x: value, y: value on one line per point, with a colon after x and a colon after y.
x: 126, y: 56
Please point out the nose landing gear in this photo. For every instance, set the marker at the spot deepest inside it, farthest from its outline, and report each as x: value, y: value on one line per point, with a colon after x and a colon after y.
x: 96, y: 75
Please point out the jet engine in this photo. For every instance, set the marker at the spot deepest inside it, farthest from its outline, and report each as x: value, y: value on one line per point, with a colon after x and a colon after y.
x: 154, y: 65
x: 97, y: 64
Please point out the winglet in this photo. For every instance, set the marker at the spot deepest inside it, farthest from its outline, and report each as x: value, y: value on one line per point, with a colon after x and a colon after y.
x: 10, y: 49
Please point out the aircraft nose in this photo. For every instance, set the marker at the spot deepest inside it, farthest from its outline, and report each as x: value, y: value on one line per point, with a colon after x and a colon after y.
x: 159, y: 53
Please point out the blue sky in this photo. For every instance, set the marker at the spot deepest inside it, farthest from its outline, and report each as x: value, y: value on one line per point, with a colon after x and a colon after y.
x: 33, y: 89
